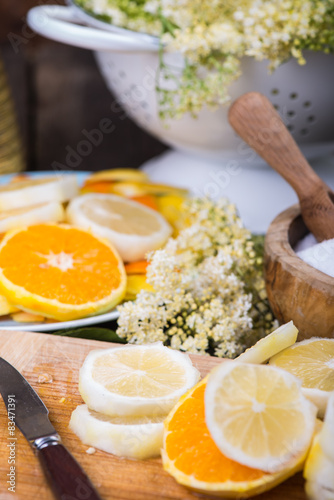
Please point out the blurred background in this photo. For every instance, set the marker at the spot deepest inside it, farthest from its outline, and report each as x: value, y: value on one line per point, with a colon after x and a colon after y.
x: 54, y: 92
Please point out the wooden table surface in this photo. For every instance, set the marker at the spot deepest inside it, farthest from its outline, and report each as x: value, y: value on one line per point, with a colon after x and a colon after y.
x: 115, y: 478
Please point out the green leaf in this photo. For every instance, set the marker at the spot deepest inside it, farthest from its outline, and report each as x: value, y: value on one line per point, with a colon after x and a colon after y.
x: 93, y: 333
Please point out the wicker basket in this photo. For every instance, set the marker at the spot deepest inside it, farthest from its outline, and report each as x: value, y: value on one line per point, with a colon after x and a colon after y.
x: 11, y: 157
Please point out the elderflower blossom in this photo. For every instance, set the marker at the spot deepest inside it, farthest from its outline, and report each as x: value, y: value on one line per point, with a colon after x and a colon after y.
x: 214, y: 35
x: 201, y: 302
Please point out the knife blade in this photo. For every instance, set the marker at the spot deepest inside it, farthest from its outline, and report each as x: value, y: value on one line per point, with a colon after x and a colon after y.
x: 66, y: 477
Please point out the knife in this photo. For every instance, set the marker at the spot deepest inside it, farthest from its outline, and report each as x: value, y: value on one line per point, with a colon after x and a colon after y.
x: 67, y: 479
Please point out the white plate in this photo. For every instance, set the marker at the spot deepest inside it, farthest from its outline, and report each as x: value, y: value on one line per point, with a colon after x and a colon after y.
x: 50, y: 327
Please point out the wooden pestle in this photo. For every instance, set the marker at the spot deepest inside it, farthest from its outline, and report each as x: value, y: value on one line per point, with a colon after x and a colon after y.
x: 257, y: 122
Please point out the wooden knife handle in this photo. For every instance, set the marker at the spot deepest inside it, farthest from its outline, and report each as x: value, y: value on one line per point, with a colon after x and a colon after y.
x: 66, y: 477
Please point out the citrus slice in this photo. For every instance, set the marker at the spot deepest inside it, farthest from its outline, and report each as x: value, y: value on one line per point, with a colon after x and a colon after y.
x: 117, y: 175
x: 135, y: 283
x: 130, y: 189
x: 133, y: 228
x: 275, y: 342
x: 60, y: 271
x: 326, y: 437
x: 6, y: 307
x: 319, y: 467
x: 192, y: 457
x: 26, y: 216
x: 257, y: 415
x: 131, y: 437
x: 135, y: 380
x: 312, y: 361
x: 36, y: 191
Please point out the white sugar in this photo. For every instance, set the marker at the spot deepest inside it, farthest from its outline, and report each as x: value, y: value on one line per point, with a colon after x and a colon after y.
x: 318, y: 255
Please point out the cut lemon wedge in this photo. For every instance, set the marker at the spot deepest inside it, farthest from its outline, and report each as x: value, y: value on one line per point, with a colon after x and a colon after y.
x: 130, y: 437
x: 35, y: 191
x: 34, y: 214
x: 257, y: 415
x: 275, y: 342
x: 133, y: 228
x: 141, y: 380
x: 312, y: 361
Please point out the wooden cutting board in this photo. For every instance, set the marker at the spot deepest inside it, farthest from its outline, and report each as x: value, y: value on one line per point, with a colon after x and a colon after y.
x: 119, y: 479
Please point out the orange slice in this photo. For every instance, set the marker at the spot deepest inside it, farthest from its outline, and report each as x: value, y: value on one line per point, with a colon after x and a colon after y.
x: 191, y: 456
x: 60, y: 271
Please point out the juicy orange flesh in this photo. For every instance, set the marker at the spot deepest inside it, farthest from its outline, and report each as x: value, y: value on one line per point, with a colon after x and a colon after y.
x: 93, y: 271
x: 190, y: 446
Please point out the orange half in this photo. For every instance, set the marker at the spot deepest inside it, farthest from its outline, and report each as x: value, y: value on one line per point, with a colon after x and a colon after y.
x: 60, y: 271
x: 190, y: 455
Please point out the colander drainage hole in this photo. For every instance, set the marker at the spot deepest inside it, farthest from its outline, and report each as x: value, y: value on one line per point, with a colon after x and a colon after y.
x: 311, y: 119
x: 122, y: 74
x: 290, y: 127
x: 291, y: 114
x: 304, y: 131
x: 307, y: 104
x: 274, y: 92
x: 293, y: 95
x: 276, y: 106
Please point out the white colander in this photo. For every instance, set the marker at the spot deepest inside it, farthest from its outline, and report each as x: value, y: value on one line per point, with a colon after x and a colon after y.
x: 129, y: 61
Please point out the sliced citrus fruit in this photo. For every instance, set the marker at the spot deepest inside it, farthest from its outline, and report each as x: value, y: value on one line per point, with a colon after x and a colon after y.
x: 138, y: 267
x: 148, y: 200
x: 194, y: 460
x: 133, y: 228
x: 326, y: 437
x: 6, y: 307
x: 24, y: 317
x: 130, y: 189
x: 319, y: 467
x: 117, y: 175
x: 170, y: 206
x: 35, y: 191
x: 257, y: 415
x: 312, y: 361
x: 134, y: 284
x: 26, y: 216
x: 135, y: 380
x: 60, y: 271
x: 131, y: 437
x: 275, y: 342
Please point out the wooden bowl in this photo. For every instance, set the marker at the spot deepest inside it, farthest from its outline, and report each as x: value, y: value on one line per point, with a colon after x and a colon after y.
x: 296, y: 290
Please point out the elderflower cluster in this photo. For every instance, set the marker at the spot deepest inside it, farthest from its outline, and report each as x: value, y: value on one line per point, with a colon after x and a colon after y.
x: 213, y: 36
x: 209, y: 294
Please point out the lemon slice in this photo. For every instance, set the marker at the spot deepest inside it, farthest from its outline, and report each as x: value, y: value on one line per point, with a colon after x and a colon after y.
x: 257, y: 415
x: 36, y: 191
x: 135, y: 380
x: 275, y: 342
x: 131, y: 437
x: 319, y: 467
x: 118, y: 175
x: 26, y: 216
x: 312, y: 361
x: 133, y: 228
